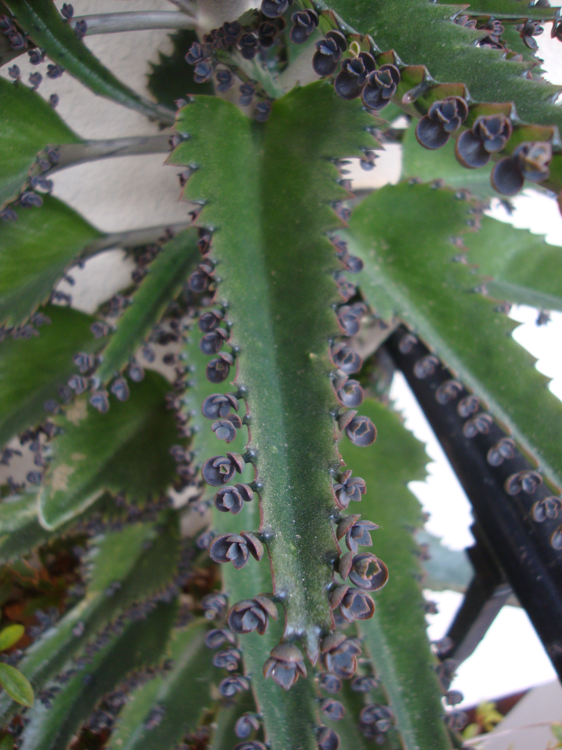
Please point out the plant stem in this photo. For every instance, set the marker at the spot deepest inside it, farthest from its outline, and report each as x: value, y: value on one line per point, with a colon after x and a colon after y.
x: 78, y: 153
x: 110, y: 23
x: 132, y: 238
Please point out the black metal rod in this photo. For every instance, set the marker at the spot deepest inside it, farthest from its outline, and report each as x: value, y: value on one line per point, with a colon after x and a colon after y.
x: 505, y: 490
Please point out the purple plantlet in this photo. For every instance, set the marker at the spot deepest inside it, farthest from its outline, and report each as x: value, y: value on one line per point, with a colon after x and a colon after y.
x: 444, y: 117
x: 501, y: 451
x: 547, y: 508
x: 67, y: 11
x: 248, y: 45
x: 523, y: 481
x: 556, y: 539
x: 381, y: 85
x: 232, y: 685
x: 14, y: 72
x: 235, y: 548
x: 333, y: 709
x: 364, y: 684
x: 448, y: 391
x: 529, y: 161
x: 357, y: 605
x: 35, y: 79
x: 218, y: 369
x: 212, y: 342
x: 376, y: 713
x: 53, y: 100
x: 361, y: 431
x: 263, y: 111
x: 29, y: 199
x: 328, y: 53
x: 356, y: 532
x: 275, y: 8
x: 330, y: 683
x: 253, y: 745
x: 285, y: 665
x: 231, y: 499
x: 349, y: 488
x: 339, y: 655
x: 219, y: 470
x: 353, y: 75
x: 218, y: 637
x: 346, y: 359
x: 245, y: 725
x: 368, y: 572
x: 100, y: 401
x: 78, y: 384
x: 219, y: 405
x: 474, y: 148
x: 84, y: 362
x: 228, y: 659
x: 268, y: 32
x: 135, y: 372
x: 350, y: 394
x: 225, y: 80
x: 214, y: 605
x: 120, y: 389
x: 467, y: 406
x: 54, y: 71
x: 252, y: 614
x: 425, y: 366
x: 305, y: 22
x: 247, y: 91
x: 480, y: 424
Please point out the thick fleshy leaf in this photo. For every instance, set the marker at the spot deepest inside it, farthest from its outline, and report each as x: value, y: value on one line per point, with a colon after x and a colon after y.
x: 167, y: 274
x: 180, y: 696
x: 16, y: 685
x: 10, y: 636
x: 27, y: 124
x: 32, y: 370
x: 518, y: 266
x: 405, y: 234
x: 140, y: 644
x: 422, y: 164
x: 270, y: 220
x: 124, y: 567
x: 395, y: 636
x: 126, y: 450
x: 289, y: 716
x: 449, y: 52
x: 170, y: 78
x: 35, y: 251
x: 46, y: 27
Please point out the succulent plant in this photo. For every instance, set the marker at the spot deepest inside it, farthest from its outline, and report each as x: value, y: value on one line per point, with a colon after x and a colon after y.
x: 192, y: 449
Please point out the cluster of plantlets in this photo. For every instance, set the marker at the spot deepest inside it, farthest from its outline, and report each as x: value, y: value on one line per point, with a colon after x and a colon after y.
x: 249, y: 310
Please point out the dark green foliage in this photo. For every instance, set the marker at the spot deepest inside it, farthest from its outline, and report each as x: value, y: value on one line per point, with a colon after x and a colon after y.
x: 171, y: 79
x: 32, y: 370
x: 35, y: 251
x: 28, y: 125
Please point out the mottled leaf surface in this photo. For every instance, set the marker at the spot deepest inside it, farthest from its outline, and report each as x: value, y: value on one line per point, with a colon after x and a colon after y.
x: 446, y: 568
x: 403, y: 234
x: 450, y: 53
x: 141, y: 560
x: 32, y: 370
x: 124, y: 450
x: 181, y: 695
x: 46, y: 27
x: 272, y: 215
x: 395, y: 636
x: 167, y: 274
x: 27, y: 124
x: 140, y: 644
x: 35, y: 251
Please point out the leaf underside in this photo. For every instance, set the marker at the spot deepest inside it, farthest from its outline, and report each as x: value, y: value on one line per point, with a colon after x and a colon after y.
x: 435, y: 296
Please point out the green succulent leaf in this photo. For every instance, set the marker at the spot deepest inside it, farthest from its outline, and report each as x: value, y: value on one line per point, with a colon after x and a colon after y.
x: 403, y: 234
x: 124, y: 567
x: 170, y: 78
x: 289, y: 717
x: 518, y: 266
x: 16, y: 685
x: 507, y: 10
x: 46, y: 27
x: 270, y: 219
x: 27, y: 125
x: 395, y: 636
x: 139, y: 644
x: 449, y: 52
x: 32, y: 370
x: 419, y: 163
x: 35, y: 251
x: 127, y: 449
x: 165, y: 279
x: 10, y: 635
x: 180, y: 695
